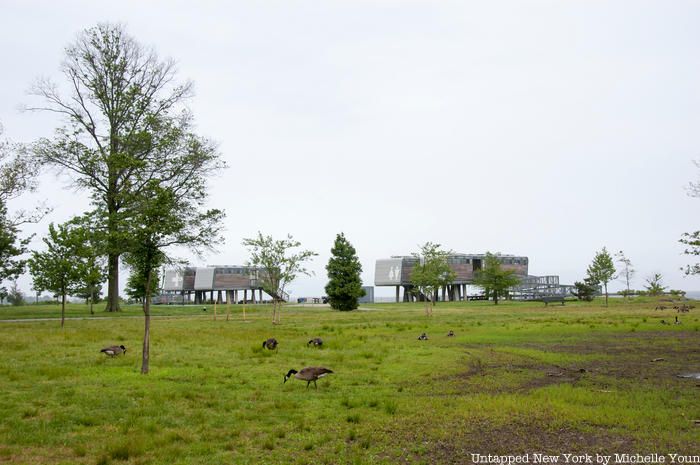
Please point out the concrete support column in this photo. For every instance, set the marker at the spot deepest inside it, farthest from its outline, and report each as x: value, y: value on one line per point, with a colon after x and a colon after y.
x: 444, y: 290
x: 397, y: 294
x: 261, y: 299
x: 219, y: 299
x: 245, y: 296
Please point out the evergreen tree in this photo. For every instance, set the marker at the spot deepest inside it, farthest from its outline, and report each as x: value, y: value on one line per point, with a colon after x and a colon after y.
x: 585, y: 290
x: 344, y: 283
x: 494, y: 279
x: 602, y: 270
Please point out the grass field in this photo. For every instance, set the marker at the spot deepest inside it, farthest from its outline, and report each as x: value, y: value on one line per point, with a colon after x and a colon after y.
x: 516, y: 378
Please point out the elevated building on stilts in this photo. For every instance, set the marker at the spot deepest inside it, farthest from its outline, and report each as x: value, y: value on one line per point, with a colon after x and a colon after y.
x: 212, y: 284
x: 396, y: 272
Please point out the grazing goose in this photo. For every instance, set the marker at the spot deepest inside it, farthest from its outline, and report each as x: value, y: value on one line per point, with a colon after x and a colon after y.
x: 451, y: 333
x: 423, y: 337
x: 317, y: 342
x: 677, y: 321
x: 114, y: 350
x: 308, y: 374
x: 270, y: 344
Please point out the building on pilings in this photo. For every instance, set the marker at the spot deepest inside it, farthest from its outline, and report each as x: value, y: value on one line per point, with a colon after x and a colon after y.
x: 396, y: 272
x: 212, y: 284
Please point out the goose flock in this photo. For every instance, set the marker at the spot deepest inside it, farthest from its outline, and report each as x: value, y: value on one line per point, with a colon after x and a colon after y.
x: 308, y: 374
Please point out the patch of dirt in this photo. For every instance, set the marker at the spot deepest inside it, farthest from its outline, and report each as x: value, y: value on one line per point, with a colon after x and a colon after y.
x: 521, y: 437
x: 645, y: 356
x: 628, y: 358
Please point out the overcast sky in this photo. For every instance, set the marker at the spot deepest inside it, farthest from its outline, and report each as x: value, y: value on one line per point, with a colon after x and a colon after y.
x: 545, y: 128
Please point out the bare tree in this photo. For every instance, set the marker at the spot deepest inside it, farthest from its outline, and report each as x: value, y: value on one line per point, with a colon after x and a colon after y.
x: 125, y: 124
x: 626, y: 271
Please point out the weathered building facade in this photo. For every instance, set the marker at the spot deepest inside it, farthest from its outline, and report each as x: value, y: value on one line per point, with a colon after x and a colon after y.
x: 217, y: 283
x: 396, y: 272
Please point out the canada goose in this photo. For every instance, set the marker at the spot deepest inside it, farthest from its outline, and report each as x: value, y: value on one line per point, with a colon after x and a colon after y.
x: 114, y: 350
x: 317, y: 342
x: 451, y: 333
x: 308, y: 374
x: 664, y: 322
x: 677, y: 322
x: 270, y: 344
x: 423, y: 337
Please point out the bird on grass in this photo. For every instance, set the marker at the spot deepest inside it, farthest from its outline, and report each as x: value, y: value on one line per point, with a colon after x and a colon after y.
x: 677, y: 322
x: 114, y: 350
x: 423, y: 337
x: 451, y: 333
x: 308, y: 374
x: 270, y: 344
x: 317, y: 342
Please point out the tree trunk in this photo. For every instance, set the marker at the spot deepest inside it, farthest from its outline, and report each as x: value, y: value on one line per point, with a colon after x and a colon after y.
x: 91, y: 300
x: 63, y: 309
x: 606, y: 293
x: 147, y: 326
x: 113, y: 283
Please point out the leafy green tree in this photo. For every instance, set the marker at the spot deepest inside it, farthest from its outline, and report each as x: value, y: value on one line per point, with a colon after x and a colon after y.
x: 431, y: 272
x: 55, y: 270
x: 691, y: 240
x: 160, y: 226
x: 126, y: 123
x: 626, y: 271
x: 278, y: 266
x: 602, y: 270
x: 344, y: 283
x: 135, y: 287
x: 89, y: 259
x: 15, y: 296
x: 11, y: 248
x: 655, y: 285
x: 494, y: 278
x: 692, y: 243
x: 585, y: 290
x: 17, y: 176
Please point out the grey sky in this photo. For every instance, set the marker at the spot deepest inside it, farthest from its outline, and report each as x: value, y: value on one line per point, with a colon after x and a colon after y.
x: 547, y: 129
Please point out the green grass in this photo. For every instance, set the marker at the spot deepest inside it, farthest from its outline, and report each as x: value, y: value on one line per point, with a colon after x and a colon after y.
x: 521, y: 373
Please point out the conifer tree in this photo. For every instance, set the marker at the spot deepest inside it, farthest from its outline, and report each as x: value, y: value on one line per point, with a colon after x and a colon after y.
x: 344, y: 283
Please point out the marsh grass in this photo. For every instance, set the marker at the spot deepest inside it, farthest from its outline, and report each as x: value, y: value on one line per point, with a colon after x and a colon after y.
x: 215, y: 396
